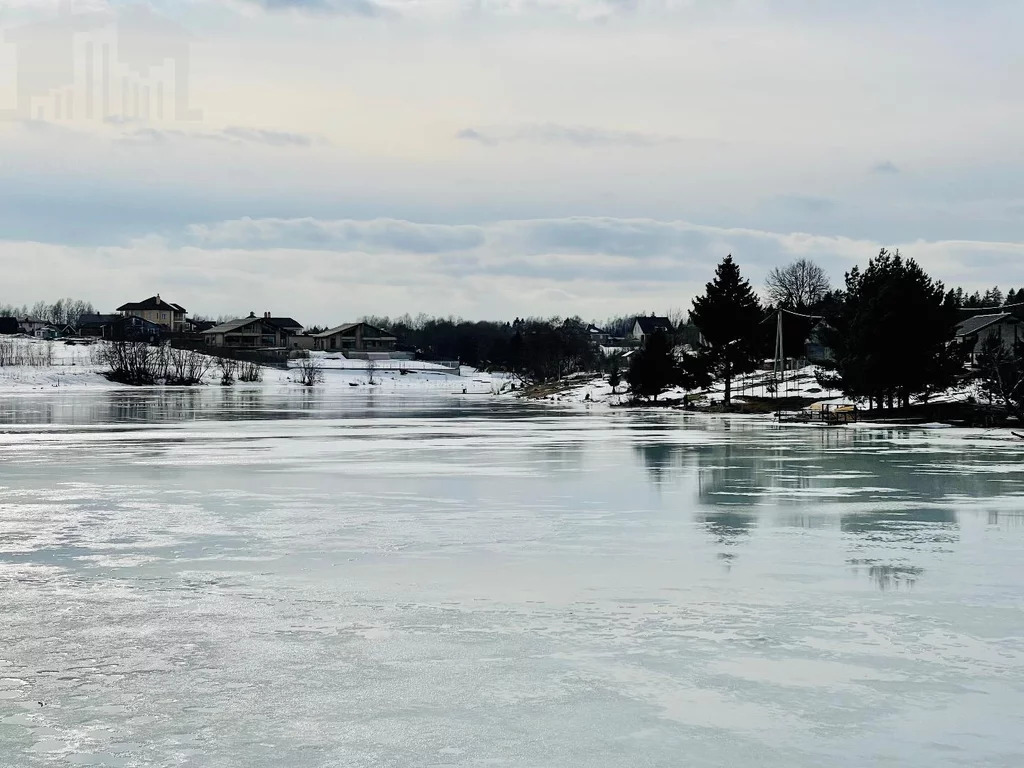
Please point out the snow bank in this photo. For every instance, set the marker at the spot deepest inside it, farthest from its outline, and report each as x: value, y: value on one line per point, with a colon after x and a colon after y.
x: 57, y: 365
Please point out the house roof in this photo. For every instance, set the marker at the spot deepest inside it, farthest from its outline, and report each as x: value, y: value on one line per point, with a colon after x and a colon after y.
x: 973, y: 325
x: 234, y: 325
x: 153, y: 302
x: 99, y: 321
x: 653, y: 324
x: 93, y: 320
x: 286, y: 322
x: 349, y: 326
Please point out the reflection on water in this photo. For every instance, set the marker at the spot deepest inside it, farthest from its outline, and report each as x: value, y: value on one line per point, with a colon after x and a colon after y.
x: 888, y: 575
x: 227, y: 576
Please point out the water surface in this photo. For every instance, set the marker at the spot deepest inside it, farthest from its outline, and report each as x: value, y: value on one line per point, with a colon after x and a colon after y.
x: 248, y: 578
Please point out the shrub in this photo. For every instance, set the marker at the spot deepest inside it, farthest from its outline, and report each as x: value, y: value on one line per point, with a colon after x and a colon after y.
x: 310, y: 371
x: 250, y: 372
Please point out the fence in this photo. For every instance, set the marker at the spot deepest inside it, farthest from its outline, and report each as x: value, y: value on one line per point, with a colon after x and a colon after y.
x: 274, y: 358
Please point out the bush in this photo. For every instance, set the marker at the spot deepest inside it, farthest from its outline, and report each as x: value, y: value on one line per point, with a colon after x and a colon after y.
x: 310, y: 371
x: 228, y: 370
x: 32, y: 354
x: 129, y: 362
x: 250, y: 372
x: 183, y: 367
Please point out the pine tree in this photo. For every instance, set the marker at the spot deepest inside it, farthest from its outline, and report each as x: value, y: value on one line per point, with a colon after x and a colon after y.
x: 1012, y: 297
x: 993, y: 298
x: 653, y: 367
x: 729, y: 317
x: 893, y: 337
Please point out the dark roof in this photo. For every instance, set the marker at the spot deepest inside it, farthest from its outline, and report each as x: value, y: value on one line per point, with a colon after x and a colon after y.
x: 241, y: 322
x: 382, y: 334
x: 286, y: 322
x: 653, y: 324
x: 93, y: 321
x: 153, y: 302
x: 99, y: 321
x: 978, y: 323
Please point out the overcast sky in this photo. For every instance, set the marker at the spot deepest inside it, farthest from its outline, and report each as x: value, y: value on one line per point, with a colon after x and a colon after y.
x: 499, y: 158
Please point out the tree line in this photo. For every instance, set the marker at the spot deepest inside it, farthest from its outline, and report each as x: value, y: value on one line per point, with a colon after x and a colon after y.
x: 891, y: 329
x: 61, y: 312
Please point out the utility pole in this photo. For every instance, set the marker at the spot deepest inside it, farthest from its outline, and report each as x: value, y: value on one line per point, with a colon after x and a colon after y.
x: 780, y: 360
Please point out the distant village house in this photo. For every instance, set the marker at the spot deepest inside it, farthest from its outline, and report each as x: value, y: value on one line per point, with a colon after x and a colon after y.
x: 975, y: 331
x: 250, y: 332
x: 648, y: 326
x: 355, y: 337
x: 156, y: 310
x: 120, y: 328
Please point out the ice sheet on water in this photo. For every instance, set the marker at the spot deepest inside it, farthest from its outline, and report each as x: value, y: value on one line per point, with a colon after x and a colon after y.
x: 424, y: 585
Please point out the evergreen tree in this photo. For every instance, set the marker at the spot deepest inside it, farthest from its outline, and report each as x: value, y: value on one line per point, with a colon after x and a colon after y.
x: 653, y: 367
x: 1012, y: 297
x: 893, y: 338
x: 614, y: 375
x: 729, y: 317
x: 993, y: 298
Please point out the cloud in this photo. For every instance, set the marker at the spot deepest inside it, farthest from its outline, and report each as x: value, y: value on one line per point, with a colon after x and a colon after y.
x: 331, y: 270
x: 270, y: 138
x: 366, y: 8
x: 376, y: 236
x: 886, y: 166
x: 231, y: 135
x: 550, y: 133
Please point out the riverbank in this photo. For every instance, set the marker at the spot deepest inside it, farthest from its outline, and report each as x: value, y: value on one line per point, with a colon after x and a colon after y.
x: 802, y: 393
x: 39, y: 366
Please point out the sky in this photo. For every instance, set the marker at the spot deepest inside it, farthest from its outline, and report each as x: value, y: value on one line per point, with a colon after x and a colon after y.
x: 329, y: 159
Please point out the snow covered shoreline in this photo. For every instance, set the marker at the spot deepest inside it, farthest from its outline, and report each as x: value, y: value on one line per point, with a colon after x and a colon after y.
x: 73, y: 368
x: 59, y: 366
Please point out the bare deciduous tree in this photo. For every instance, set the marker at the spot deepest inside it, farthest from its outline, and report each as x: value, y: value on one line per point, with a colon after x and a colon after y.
x: 801, y: 283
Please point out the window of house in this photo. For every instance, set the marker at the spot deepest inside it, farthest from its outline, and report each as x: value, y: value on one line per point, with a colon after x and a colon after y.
x: 334, y: 342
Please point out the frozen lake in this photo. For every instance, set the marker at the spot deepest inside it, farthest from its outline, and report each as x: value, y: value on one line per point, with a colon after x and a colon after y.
x: 231, y: 578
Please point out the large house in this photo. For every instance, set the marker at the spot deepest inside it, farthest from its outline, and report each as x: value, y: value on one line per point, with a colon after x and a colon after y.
x: 648, y: 326
x: 355, y: 337
x: 34, y: 326
x: 120, y: 328
x: 248, y: 332
x: 975, y: 331
x: 156, y: 310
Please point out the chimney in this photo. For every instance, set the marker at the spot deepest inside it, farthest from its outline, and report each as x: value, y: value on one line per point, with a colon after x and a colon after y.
x: 266, y: 315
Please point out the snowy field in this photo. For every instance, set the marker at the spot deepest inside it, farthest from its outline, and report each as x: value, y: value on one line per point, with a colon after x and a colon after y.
x: 237, y: 577
x: 48, y: 365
